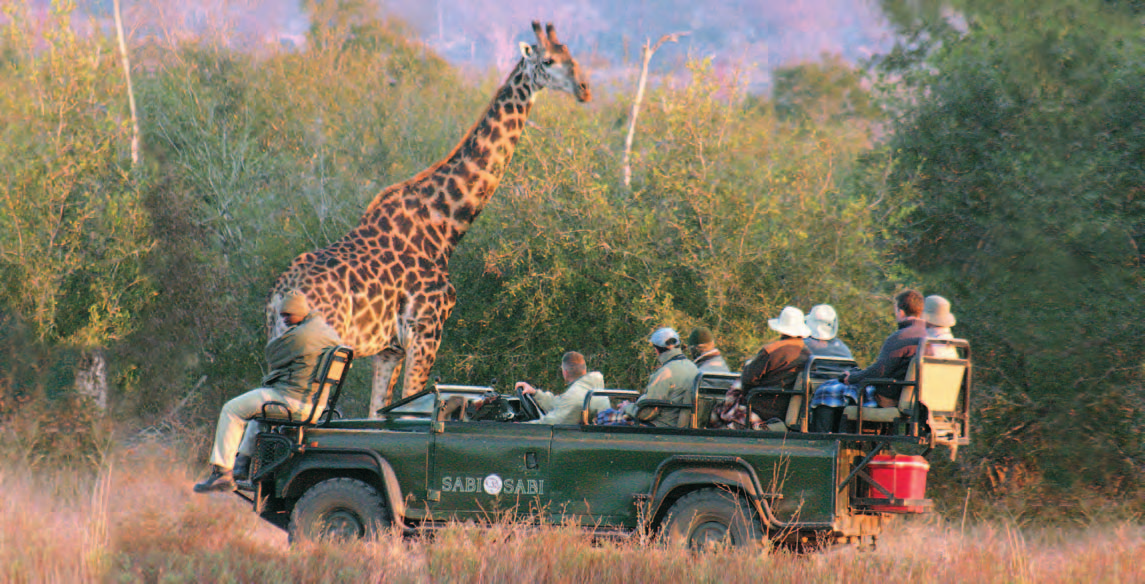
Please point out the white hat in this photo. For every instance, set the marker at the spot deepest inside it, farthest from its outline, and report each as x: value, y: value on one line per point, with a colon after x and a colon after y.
x: 823, y: 321
x: 665, y: 338
x: 936, y: 311
x: 790, y: 323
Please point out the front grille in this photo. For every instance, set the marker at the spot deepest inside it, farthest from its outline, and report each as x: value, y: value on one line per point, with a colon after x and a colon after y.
x: 271, y: 450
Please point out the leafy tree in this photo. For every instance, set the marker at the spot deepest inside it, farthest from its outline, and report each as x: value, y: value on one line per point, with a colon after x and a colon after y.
x: 1018, y: 141
x: 733, y: 214
x: 263, y: 157
x: 828, y: 91
x: 73, y: 232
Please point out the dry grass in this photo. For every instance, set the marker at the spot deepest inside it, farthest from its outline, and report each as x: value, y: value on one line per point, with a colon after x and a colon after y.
x: 137, y: 521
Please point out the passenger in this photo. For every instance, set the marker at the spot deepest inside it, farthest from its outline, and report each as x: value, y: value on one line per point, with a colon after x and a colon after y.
x: 824, y: 325
x: 936, y: 313
x: 733, y: 413
x: 778, y: 363
x: 893, y: 362
x: 291, y: 358
x: 672, y: 381
x: 566, y: 407
x: 702, y: 348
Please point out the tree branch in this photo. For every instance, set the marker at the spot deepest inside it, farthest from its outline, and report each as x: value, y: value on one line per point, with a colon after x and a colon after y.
x: 646, y: 57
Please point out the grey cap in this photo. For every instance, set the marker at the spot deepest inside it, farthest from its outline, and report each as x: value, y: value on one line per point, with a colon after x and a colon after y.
x: 665, y: 338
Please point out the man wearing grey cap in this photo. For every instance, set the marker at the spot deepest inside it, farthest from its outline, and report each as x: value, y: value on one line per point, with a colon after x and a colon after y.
x: 672, y: 381
x: 291, y: 358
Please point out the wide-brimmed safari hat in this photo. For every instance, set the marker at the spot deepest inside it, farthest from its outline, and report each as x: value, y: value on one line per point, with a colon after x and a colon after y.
x: 936, y: 311
x: 665, y: 338
x: 823, y: 321
x: 790, y: 323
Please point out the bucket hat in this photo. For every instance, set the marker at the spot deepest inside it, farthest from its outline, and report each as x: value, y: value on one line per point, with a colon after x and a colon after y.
x: 790, y: 322
x: 823, y: 321
x: 936, y: 311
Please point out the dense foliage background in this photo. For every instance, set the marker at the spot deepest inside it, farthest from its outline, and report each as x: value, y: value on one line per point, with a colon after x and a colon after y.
x: 994, y: 157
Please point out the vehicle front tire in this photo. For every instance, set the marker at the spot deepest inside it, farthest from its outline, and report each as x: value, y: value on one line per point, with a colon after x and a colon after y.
x: 711, y: 518
x: 339, y: 509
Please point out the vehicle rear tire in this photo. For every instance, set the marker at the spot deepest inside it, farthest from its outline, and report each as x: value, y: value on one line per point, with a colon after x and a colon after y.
x: 710, y: 518
x: 339, y: 509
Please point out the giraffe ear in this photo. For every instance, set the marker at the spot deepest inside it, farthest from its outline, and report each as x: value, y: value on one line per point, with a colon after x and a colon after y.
x: 526, y: 50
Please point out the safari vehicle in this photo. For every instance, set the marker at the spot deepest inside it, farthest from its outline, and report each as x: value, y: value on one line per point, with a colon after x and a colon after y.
x: 462, y: 452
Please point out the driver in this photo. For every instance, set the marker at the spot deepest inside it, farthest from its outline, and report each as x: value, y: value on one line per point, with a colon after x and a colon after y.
x: 565, y: 408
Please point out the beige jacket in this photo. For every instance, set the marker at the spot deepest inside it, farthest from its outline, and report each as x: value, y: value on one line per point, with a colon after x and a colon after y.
x: 566, y: 407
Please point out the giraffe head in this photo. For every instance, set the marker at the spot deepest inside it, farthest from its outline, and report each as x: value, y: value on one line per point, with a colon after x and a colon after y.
x: 552, y: 66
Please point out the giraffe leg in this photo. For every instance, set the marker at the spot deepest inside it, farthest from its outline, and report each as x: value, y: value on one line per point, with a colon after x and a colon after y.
x: 418, y: 363
x: 422, y: 353
x: 425, y: 334
x: 381, y: 393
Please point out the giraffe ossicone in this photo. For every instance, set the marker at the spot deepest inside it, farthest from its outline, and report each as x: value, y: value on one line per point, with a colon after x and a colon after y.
x: 384, y: 286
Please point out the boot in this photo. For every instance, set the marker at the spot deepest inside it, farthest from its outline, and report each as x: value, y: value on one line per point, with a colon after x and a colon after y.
x: 242, y: 467
x: 220, y: 480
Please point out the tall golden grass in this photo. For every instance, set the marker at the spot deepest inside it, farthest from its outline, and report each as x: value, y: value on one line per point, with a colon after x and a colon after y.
x: 136, y: 520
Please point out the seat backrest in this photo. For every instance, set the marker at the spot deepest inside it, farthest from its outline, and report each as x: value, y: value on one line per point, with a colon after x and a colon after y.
x: 710, y: 388
x: 329, y: 374
x: 598, y: 400
x: 941, y: 378
x: 819, y: 370
x: 795, y: 406
x: 908, y: 398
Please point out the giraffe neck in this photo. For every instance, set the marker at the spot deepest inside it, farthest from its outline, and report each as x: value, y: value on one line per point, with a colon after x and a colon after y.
x: 473, y: 171
x: 450, y: 194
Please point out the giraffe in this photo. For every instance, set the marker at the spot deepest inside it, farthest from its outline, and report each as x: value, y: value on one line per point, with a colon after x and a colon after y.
x: 385, y: 285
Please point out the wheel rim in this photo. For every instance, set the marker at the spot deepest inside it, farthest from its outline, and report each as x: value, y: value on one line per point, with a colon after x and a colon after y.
x: 708, y: 534
x: 343, y: 524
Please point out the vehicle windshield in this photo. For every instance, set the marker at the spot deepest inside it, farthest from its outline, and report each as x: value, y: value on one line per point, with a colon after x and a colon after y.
x: 425, y: 403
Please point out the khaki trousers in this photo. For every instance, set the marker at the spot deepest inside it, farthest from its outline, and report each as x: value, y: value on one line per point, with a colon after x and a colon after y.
x: 236, y: 433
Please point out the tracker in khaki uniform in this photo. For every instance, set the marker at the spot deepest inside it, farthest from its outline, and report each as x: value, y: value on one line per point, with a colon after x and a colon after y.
x: 291, y: 358
x: 566, y: 407
x: 702, y: 348
x: 672, y: 381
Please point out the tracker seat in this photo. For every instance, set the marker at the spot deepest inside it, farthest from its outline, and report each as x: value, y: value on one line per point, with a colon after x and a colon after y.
x: 935, y: 398
x: 325, y: 389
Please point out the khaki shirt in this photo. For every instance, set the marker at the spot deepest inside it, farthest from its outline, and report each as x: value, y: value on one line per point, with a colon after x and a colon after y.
x: 673, y: 382
x: 293, y: 355
x: 566, y: 407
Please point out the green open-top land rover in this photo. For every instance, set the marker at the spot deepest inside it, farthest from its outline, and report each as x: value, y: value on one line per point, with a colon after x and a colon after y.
x: 463, y: 452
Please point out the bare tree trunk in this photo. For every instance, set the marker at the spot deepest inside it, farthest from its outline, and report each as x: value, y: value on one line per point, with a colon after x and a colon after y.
x: 646, y: 56
x: 130, y: 91
x: 91, y: 377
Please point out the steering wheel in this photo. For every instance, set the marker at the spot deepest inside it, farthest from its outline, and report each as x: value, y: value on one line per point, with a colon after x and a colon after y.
x: 529, y: 405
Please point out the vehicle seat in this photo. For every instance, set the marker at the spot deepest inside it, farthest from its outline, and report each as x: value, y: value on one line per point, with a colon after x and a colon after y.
x: 794, y: 417
x: 892, y: 414
x: 325, y: 388
x: 934, y: 393
x: 711, y: 387
x: 596, y: 401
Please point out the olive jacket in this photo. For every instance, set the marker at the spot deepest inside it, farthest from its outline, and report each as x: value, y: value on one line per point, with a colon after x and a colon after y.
x: 672, y: 381
x: 293, y: 355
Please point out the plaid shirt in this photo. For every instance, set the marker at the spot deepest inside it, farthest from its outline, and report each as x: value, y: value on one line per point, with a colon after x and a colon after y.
x: 836, y: 394
x: 614, y: 416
